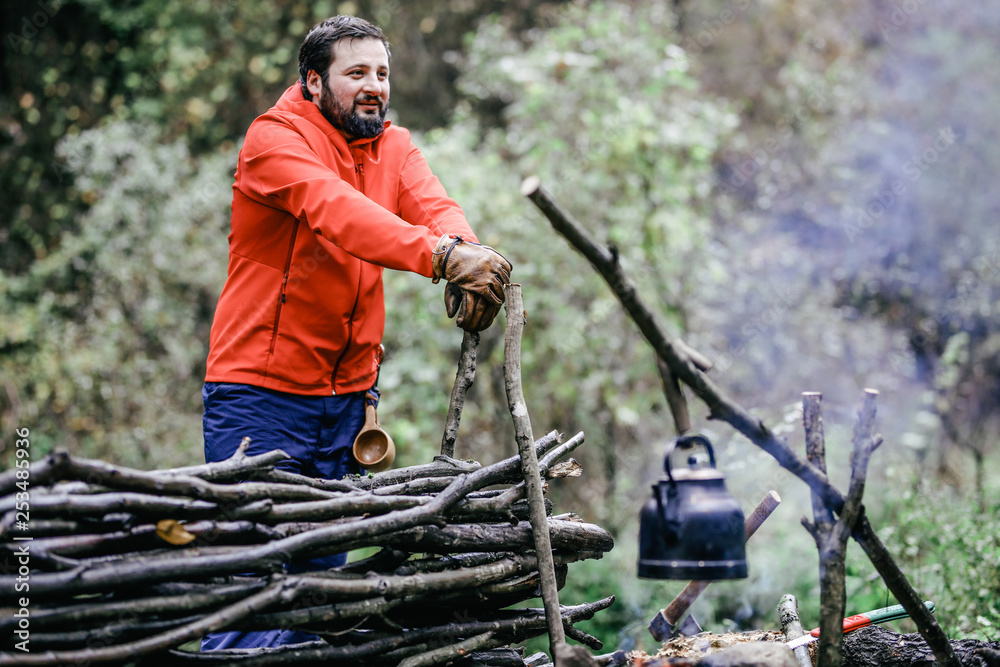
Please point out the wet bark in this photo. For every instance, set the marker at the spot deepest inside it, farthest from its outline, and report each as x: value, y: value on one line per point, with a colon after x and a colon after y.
x: 128, y: 565
x: 878, y: 646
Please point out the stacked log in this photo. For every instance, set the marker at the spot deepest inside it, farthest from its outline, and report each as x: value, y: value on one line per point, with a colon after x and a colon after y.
x: 118, y: 565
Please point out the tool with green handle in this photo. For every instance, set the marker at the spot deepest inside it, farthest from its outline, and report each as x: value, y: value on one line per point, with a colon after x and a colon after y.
x: 893, y: 613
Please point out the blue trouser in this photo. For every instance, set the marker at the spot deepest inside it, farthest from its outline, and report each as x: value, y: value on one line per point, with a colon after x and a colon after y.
x: 315, y: 431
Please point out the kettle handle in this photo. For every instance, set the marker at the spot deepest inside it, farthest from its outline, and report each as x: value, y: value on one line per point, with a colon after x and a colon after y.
x: 687, y: 441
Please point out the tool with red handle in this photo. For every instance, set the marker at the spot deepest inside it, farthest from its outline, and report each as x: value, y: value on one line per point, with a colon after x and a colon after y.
x: 893, y: 613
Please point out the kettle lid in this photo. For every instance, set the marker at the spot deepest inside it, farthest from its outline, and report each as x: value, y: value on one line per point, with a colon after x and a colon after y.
x: 693, y: 471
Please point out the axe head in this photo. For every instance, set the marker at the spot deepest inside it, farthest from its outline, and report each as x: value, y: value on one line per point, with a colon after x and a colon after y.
x: 688, y: 627
x: 663, y: 630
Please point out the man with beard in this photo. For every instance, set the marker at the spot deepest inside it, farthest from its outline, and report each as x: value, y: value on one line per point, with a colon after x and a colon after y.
x: 327, y: 195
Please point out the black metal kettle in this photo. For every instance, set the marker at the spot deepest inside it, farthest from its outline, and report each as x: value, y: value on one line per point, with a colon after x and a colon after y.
x: 692, y: 528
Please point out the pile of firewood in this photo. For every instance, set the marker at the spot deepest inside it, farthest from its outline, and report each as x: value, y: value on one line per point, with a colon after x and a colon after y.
x: 118, y: 565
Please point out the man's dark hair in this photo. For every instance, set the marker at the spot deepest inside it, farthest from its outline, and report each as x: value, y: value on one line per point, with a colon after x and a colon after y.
x: 316, y: 52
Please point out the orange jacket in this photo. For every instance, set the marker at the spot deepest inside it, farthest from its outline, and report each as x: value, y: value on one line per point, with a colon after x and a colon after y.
x: 314, y: 222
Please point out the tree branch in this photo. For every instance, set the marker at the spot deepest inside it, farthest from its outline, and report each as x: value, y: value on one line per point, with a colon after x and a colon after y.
x: 175, y: 637
x: 464, y: 378
x: 723, y: 408
x: 529, y: 463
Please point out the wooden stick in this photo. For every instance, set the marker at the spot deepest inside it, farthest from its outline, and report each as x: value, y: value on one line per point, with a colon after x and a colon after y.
x: 831, y: 536
x: 788, y: 615
x: 464, y: 378
x: 584, y: 638
x: 66, y: 505
x: 169, y: 639
x: 865, y: 444
x: 675, y: 398
x: 438, y: 655
x: 812, y: 423
x: 703, y: 363
x: 563, y: 534
x: 48, y: 470
x: 232, y: 469
x: 721, y: 407
x: 529, y: 463
x: 129, y: 479
x: 831, y: 541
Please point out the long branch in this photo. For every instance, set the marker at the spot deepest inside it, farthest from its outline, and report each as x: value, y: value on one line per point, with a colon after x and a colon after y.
x: 830, y: 536
x: 435, y: 656
x: 513, y: 625
x: 172, y: 638
x: 235, y: 468
x: 723, y: 408
x: 107, y: 503
x: 81, y: 614
x: 271, y: 555
x: 529, y: 463
x: 500, y: 537
x: 129, y: 479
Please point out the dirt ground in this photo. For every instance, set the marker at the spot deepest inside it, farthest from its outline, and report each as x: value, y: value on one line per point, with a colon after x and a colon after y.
x: 700, y: 645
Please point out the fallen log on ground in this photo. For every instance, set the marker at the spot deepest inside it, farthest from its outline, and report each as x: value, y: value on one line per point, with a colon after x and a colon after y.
x: 877, y: 646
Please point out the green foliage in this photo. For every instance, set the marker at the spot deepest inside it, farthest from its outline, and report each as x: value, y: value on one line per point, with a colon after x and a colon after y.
x: 107, y: 336
x: 585, y: 112
x: 199, y: 70
x: 950, y: 550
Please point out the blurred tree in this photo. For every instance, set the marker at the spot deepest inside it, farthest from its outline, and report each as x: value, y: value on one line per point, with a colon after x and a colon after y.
x: 602, y: 107
x: 583, y: 110
x: 103, y: 338
x: 859, y: 126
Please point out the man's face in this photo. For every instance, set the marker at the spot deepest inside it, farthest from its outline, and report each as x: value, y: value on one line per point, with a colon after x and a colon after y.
x: 356, y: 96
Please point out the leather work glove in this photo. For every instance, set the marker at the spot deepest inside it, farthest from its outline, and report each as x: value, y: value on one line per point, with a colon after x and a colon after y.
x: 474, y: 313
x: 475, y: 268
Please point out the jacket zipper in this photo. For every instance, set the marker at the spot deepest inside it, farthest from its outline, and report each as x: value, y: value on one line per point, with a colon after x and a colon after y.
x: 284, y: 285
x: 350, y: 334
x: 359, y: 170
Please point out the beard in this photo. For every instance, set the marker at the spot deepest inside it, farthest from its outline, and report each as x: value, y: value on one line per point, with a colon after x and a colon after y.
x: 348, y: 120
